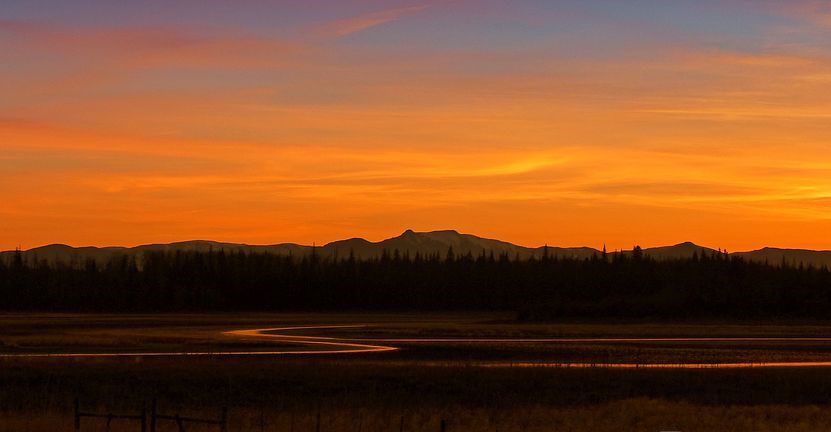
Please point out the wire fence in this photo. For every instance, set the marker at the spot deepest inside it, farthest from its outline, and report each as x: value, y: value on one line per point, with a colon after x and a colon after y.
x: 152, y: 419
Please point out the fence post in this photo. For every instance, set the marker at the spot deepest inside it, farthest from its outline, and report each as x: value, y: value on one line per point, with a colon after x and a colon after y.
x: 262, y: 419
x: 401, y: 426
x: 443, y: 426
x: 223, y: 427
x: 144, y: 417
x: 317, y: 426
x: 77, y: 415
x: 180, y: 423
x: 153, y: 416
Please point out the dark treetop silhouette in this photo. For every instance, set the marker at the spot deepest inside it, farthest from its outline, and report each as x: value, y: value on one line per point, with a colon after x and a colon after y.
x: 537, y: 283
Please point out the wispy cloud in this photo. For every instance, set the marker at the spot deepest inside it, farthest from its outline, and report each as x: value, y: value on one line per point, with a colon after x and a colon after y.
x: 363, y: 22
x: 716, y: 58
x: 815, y: 11
x: 265, y: 130
x: 83, y: 60
x: 148, y: 45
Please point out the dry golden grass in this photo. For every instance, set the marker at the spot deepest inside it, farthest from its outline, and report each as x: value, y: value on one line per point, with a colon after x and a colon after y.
x: 630, y: 415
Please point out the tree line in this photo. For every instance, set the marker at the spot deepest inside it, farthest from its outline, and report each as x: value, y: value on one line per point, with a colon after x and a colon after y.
x: 611, y: 285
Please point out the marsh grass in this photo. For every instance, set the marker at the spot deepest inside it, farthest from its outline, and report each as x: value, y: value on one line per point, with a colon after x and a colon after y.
x: 372, y: 392
x: 203, y: 332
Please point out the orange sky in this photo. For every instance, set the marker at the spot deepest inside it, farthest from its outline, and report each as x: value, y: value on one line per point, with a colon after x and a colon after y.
x: 566, y: 123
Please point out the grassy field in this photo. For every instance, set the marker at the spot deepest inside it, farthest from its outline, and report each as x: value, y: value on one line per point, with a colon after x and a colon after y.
x: 421, y: 383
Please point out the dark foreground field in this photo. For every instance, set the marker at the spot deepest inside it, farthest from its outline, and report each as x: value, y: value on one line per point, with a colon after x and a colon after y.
x: 421, y: 384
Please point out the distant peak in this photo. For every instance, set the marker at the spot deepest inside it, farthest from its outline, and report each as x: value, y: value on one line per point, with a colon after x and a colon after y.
x: 450, y: 231
x: 54, y: 246
x: 353, y: 240
x: 687, y: 243
x: 408, y: 232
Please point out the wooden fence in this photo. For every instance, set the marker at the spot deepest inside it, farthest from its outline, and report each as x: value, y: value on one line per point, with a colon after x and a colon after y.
x: 141, y: 417
x: 152, y: 419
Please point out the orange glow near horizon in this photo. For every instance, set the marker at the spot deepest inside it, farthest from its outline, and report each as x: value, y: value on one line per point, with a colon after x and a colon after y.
x: 363, y: 124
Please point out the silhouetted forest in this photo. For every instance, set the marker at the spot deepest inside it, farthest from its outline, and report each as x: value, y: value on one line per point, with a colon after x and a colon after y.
x: 607, y: 285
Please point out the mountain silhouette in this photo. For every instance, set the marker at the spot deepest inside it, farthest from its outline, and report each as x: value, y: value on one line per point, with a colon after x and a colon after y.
x: 681, y: 250
x: 411, y: 243
x: 790, y: 256
x: 440, y: 242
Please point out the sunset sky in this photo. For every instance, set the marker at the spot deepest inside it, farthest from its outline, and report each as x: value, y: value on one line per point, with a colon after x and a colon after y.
x: 569, y: 123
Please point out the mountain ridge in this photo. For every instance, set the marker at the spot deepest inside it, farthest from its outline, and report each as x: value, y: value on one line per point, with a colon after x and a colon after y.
x: 410, y: 243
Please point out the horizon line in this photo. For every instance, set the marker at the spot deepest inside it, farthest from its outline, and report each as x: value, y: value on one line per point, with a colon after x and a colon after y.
x: 314, y: 244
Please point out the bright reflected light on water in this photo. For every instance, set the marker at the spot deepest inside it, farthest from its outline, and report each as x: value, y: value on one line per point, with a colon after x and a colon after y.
x: 334, y: 345
x: 656, y: 365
